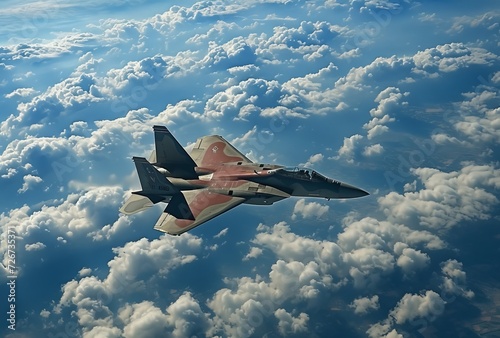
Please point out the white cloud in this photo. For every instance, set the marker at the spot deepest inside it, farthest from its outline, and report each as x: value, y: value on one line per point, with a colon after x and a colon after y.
x: 377, y: 129
x: 348, y: 149
x: 35, y: 246
x: 240, y: 311
x: 449, y: 58
x: 19, y: 152
x: 113, y: 84
x: 309, y: 210
x: 446, y: 199
x: 288, y: 324
x: 103, y: 331
x: 29, y: 181
x: 143, y: 319
x: 480, y: 120
x: 137, y: 268
x: 73, y: 92
x: 454, y: 279
x: 411, y: 306
x: 373, y: 150
x: 364, y: 252
x: 21, y: 92
x: 222, y: 233
x: 309, y: 41
x: 257, y: 92
x: 426, y: 306
x: 313, y: 159
x: 187, y: 318
x: 486, y: 22
x: 84, y: 272
x: 254, y: 253
x: 411, y: 260
x: 363, y: 305
x: 389, y: 102
x: 78, y: 215
x: 393, y: 334
x: 408, y: 187
x: 372, y: 233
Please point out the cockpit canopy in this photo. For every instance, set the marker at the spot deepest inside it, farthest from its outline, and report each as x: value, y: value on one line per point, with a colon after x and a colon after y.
x: 304, y: 173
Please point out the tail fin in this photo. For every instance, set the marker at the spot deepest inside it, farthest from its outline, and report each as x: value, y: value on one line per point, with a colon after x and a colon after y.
x: 172, y: 156
x: 154, y: 185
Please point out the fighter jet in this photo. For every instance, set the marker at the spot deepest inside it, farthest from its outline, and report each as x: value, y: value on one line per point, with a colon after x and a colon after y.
x: 214, y: 178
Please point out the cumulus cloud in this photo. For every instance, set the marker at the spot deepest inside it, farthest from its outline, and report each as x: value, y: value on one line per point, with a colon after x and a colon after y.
x: 365, y: 251
x: 449, y: 58
x: 215, y: 62
x: 363, y: 305
x: 21, y: 92
x: 259, y: 93
x: 347, y: 151
x: 239, y: 312
x: 35, y: 246
x: 480, y: 116
x: 447, y: 198
x: 187, y: 318
x: 288, y: 324
x: 309, y: 210
x: 143, y: 319
x: 74, y: 93
x: 411, y: 260
x: 313, y: 159
x: 84, y: 272
x: 411, y: 306
x: 389, y: 101
x: 375, y: 149
x: 138, y: 267
x: 454, y: 279
x: 425, y: 306
x: 183, y: 318
x: 29, y: 181
x: 78, y: 215
x: 310, y: 41
x: 254, y: 253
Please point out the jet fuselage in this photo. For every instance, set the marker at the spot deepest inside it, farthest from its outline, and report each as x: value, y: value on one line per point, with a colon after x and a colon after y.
x: 263, y: 181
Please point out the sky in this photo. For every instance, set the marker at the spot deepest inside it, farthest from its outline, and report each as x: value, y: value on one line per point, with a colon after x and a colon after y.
x: 399, y: 98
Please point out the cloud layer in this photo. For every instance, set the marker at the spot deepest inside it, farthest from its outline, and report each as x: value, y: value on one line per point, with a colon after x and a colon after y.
x: 338, y: 86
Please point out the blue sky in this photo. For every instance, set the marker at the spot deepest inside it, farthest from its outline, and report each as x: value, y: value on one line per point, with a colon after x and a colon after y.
x: 400, y: 98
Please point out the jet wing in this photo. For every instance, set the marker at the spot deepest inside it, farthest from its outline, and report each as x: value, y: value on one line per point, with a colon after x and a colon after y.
x: 210, y: 150
x: 204, y: 206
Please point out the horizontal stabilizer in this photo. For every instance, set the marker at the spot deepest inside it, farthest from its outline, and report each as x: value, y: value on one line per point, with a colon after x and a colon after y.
x: 155, y: 198
x: 135, y: 203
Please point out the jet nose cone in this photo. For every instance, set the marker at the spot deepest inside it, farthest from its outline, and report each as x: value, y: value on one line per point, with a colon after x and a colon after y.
x: 350, y: 191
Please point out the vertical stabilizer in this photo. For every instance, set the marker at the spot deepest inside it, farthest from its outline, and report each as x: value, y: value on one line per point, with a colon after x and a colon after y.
x: 171, y: 155
x: 154, y: 185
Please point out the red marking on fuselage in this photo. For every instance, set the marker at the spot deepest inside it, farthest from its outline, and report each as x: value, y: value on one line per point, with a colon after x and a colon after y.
x: 225, y: 177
